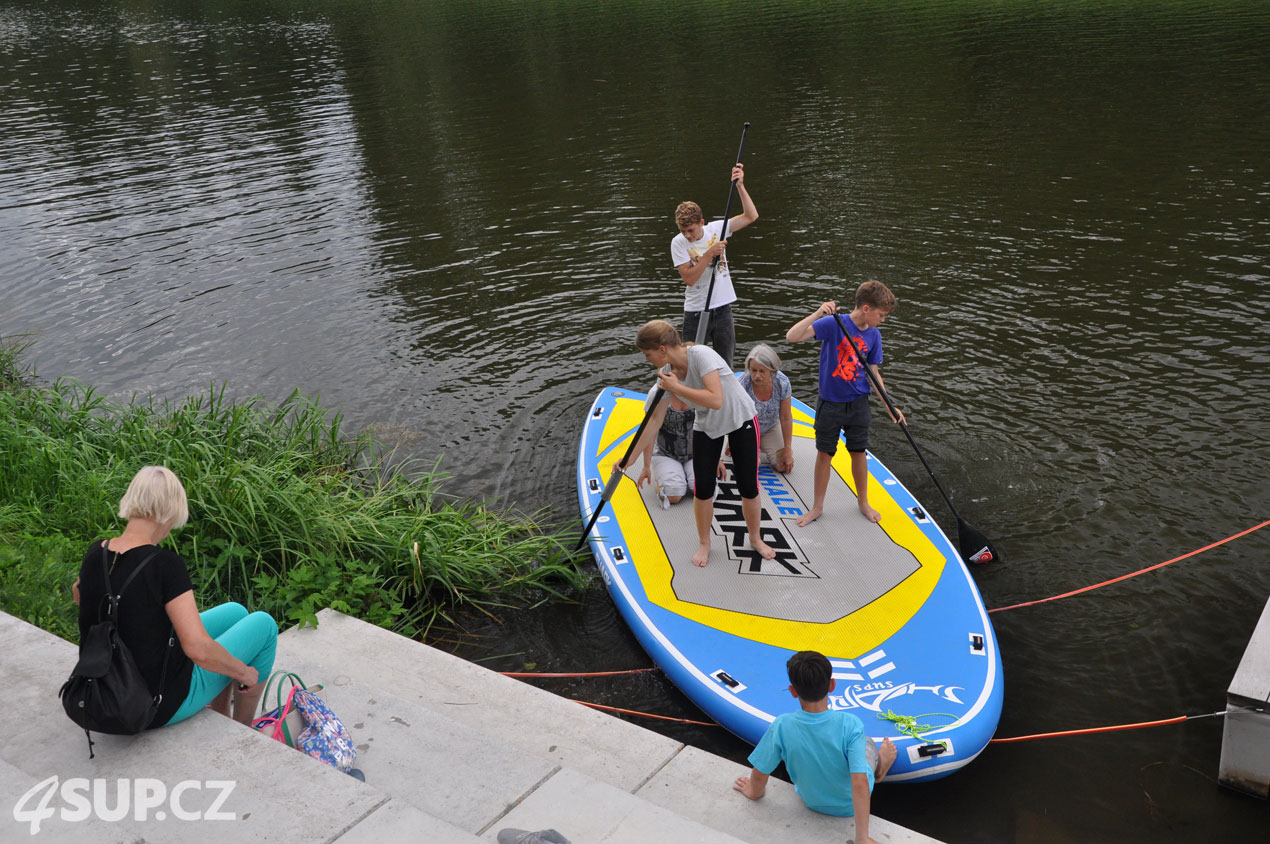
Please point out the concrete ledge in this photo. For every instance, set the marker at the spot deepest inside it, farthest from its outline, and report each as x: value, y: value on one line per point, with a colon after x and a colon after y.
x: 452, y: 753
x: 698, y: 785
x: 269, y: 778
x: 590, y: 812
x: 446, y: 768
x: 1245, y: 747
x: 515, y: 715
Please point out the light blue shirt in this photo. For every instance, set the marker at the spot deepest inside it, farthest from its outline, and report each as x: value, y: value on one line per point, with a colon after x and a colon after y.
x: 821, y: 750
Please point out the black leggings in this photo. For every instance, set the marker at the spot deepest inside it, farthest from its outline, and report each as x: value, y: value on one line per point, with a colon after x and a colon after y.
x: 705, y: 460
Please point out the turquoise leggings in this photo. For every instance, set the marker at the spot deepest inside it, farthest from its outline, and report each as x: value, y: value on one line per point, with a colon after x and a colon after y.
x: 252, y: 638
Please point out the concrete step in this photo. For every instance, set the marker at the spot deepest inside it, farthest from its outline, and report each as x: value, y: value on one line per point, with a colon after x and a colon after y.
x: 38, y: 741
x: 514, y: 715
x: 521, y: 722
x: 452, y: 752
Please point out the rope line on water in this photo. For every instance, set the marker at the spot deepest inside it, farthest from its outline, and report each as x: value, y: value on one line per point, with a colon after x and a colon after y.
x: 645, y: 714
x: 580, y: 674
x: 1132, y: 574
x: 1110, y: 729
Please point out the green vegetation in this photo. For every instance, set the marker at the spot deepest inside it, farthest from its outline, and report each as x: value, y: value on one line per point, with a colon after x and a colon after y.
x: 286, y: 516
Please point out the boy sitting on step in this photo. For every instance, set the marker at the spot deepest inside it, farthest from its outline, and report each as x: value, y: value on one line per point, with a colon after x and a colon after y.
x: 832, y: 763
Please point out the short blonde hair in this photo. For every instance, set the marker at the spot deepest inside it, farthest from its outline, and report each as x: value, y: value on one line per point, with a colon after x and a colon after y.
x: 155, y: 493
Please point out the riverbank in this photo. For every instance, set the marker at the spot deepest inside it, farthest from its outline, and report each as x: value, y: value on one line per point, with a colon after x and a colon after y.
x: 288, y: 515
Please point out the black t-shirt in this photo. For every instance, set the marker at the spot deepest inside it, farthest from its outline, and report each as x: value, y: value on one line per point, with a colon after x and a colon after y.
x: 144, y: 625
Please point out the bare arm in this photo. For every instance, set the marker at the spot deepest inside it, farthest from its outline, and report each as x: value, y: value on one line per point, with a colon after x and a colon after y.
x: 802, y: 330
x: 755, y: 785
x: 75, y: 591
x: 787, y: 422
x: 710, y: 397
x: 201, y: 648
x: 877, y: 373
x: 748, y: 212
x: 691, y: 271
x: 787, y: 432
x: 860, y: 802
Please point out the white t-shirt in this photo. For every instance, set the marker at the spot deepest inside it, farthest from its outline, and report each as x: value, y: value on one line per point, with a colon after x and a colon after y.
x: 738, y: 407
x: 683, y: 252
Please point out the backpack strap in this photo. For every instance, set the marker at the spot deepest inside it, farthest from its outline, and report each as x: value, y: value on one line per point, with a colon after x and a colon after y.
x: 112, y: 596
x: 114, y: 599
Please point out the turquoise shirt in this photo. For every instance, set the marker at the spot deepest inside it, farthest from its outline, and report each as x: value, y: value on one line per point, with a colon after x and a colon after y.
x: 821, y: 750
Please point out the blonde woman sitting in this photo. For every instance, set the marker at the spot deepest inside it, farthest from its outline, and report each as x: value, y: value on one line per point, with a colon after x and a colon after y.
x: 216, y: 657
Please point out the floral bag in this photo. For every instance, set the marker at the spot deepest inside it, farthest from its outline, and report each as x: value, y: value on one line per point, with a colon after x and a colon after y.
x: 324, y: 737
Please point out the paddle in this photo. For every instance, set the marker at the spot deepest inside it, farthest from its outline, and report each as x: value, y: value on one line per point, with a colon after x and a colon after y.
x: 975, y: 547
x: 704, y: 325
x: 616, y: 477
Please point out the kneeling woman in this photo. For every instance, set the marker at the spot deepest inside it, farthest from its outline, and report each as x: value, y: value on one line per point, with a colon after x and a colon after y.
x: 700, y: 377
x: 217, y: 654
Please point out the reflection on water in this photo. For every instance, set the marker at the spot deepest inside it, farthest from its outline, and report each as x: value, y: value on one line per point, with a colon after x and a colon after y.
x: 448, y: 218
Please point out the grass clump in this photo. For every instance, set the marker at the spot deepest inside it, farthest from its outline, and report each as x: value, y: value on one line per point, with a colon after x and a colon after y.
x: 286, y: 516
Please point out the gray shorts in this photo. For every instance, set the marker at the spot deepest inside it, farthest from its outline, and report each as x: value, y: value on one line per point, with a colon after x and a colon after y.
x: 871, y: 755
x: 851, y: 418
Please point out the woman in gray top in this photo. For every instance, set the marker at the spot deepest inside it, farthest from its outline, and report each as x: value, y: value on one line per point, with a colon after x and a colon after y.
x: 699, y: 376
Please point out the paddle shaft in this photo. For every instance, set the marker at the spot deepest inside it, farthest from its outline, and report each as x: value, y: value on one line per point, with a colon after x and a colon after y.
x: 616, y: 477
x: 703, y: 326
x: 877, y: 385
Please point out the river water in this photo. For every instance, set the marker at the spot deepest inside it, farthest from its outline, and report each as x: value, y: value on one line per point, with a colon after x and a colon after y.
x: 447, y: 218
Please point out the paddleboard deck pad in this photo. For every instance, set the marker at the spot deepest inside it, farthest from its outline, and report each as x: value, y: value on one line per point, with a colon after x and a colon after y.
x: 891, y: 604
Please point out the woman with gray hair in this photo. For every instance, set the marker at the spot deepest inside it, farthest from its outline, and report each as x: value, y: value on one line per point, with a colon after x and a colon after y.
x: 189, y: 659
x: 771, y: 392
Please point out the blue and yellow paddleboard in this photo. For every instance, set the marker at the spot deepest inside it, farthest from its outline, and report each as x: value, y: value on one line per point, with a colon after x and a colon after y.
x: 891, y: 604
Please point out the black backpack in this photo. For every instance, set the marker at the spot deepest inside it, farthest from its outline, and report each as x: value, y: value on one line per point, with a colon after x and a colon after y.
x: 106, y: 691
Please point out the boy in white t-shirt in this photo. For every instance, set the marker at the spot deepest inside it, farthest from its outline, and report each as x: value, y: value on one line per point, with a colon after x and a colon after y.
x: 692, y: 251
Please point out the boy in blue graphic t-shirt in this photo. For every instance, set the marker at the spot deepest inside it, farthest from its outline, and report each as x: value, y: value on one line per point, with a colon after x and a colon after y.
x: 844, y: 387
x: 829, y: 758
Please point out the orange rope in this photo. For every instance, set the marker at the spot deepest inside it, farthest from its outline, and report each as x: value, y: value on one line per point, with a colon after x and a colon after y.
x: 586, y: 674
x: 1112, y: 729
x: 645, y: 714
x: 1133, y: 574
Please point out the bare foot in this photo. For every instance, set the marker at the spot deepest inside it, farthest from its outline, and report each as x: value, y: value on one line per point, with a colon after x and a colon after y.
x: 810, y: 516
x: 886, y: 757
x: 764, y: 550
x: 702, y: 556
x: 869, y: 513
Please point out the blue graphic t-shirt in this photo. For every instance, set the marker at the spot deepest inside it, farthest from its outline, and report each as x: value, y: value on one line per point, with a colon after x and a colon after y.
x: 821, y: 750
x: 842, y: 378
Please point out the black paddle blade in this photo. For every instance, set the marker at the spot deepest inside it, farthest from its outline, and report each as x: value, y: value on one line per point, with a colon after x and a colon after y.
x: 975, y: 547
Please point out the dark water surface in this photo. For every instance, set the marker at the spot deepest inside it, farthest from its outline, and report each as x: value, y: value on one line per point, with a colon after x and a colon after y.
x: 448, y: 217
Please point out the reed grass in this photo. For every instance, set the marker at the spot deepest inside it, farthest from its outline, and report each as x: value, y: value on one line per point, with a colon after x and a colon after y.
x: 286, y: 515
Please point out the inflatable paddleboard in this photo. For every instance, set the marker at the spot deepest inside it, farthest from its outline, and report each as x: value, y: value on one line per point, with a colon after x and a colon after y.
x: 891, y: 604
